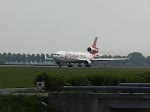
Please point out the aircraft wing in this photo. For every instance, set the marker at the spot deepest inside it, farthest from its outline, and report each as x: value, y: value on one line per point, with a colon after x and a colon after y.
x: 102, y: 59
x: 83, y: 59
x: 108, y: 59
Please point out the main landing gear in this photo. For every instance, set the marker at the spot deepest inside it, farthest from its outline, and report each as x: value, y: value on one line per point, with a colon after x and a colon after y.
x: 59, y: 64
x: 88, y: 65
x: 70, y: 65
x: 79, y: 65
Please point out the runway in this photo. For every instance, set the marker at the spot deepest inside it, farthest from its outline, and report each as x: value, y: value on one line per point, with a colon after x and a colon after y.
x: 66, y: 67
x: 28, y: 66
x: 12, y: 90
x: 50, y: 66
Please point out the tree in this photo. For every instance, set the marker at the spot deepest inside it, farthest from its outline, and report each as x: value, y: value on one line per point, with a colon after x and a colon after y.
x: 147, y: 60
x: 29, y: 58
x: 38, y: 58
x: 9, y: 57
x: 4, y: 56
x: 2, y: 61
x: 136, y: 59
x: 18, y: 57
x: 0, y: 55
x: 14, y: 56
x: 42, y: 57
x: 33, y: 58
x: 23, y: 58
x: 47, y: 56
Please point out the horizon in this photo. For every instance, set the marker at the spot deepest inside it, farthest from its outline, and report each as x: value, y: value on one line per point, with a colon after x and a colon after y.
x: 71, y: 51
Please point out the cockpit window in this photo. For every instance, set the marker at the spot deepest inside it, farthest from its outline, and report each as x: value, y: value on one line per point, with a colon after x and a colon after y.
x: 56, y: 54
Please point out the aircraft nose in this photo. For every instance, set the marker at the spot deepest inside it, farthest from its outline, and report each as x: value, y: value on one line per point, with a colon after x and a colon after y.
x: 55, y: 56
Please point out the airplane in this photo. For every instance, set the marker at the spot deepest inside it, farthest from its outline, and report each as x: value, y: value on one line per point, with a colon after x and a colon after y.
x: 70, y: 57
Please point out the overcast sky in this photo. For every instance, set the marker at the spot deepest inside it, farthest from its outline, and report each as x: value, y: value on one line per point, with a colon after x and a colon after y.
x: 46, y: 26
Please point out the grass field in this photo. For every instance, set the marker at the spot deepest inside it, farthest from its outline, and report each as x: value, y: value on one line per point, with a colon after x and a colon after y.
x: 24, y: 76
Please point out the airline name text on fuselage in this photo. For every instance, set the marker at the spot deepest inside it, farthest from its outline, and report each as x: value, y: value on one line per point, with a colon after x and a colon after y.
x: 69, y: 55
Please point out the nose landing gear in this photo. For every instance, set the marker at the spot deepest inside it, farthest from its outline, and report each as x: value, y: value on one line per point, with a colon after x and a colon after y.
x: 79, y: 65
x: 70, y: 65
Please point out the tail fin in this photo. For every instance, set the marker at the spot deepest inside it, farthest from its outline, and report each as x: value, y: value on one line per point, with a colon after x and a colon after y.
x: 95, y: 42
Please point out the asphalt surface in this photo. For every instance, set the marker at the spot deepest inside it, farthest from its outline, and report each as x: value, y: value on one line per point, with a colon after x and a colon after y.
x: 21, y: 91
x: 45, y: 66
x: 11, y: 90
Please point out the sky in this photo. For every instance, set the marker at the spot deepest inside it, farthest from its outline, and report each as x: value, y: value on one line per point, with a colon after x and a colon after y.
x: 47, y: 26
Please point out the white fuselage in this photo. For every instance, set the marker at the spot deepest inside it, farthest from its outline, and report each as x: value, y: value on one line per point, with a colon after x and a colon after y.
x: 81, y: 57
x: 71, y: 57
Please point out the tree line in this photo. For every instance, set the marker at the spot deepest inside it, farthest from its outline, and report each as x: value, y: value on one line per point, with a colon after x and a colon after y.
x: 135, y: 59
x: 13, y: 57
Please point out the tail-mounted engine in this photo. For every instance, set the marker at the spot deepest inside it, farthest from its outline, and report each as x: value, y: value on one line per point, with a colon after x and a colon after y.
x: 92, y: 50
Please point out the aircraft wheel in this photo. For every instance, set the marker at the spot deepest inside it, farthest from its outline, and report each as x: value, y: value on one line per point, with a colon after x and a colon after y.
x: 79, y: 65
x: 60, y: 65
x: 70, y: 65
x: 88, y: 65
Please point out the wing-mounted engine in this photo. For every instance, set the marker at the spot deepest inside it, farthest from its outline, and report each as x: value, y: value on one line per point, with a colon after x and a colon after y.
x: 88, y: 63
x: 92, y: 50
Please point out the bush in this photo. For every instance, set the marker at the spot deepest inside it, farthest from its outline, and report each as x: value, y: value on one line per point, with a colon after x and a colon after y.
x: 79, y: 81
x: 113, y: 80
x: 103, y: 80
x: 51, y: 82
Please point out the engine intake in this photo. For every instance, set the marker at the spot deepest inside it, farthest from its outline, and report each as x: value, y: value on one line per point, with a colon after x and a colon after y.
x: 89, y: 49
